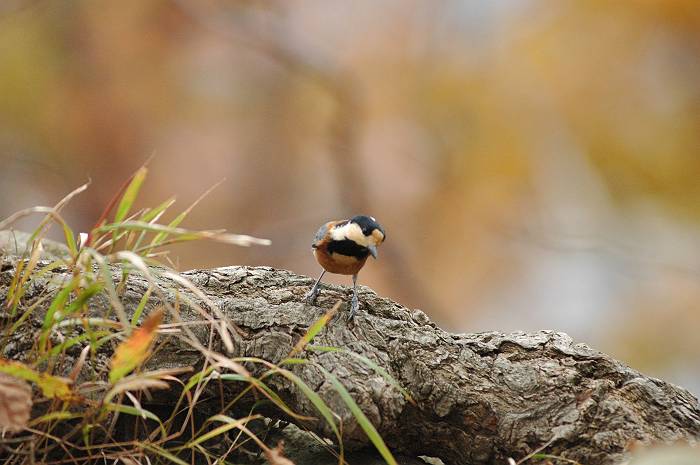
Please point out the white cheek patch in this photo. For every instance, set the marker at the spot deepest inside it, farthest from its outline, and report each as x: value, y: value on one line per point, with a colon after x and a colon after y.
x: 350, y: 231
x: 338, y: 233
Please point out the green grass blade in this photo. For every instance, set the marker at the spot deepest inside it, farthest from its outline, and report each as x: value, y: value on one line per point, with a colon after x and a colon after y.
x: 57, y: 305
x: 315, y: 400
x: 271, y: 395
x: 229, y: 424
x: 361, y: 418
x: 160, y: 237
x: 56, y: 416
x: 196, y: 378
x: 83, y: 298
x: 294, y: 361
x: 26, y: 313
x: 319, y: 348
x: 151, y: 214
x: 381, y: 371
x: 315, y: 328
x: 163, y: 453
x: 56, y: 350
x: 142, y: 304
x: 136, y: 412
x: 70, y: 240
x: 51, y: 266
x: 130, y: 194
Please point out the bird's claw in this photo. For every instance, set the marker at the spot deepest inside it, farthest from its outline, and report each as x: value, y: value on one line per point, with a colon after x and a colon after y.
x: 310, y: 297
x: 354, y: 306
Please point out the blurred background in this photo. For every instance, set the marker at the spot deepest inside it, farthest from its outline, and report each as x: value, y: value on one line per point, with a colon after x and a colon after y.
x: 536, y: 164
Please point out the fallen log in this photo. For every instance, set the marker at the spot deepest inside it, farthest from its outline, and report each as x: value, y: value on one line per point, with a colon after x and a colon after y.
x: 479, y: 398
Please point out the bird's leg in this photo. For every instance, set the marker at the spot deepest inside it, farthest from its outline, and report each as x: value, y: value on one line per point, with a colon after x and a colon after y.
x: 313, y: 293
x: 355, y: 302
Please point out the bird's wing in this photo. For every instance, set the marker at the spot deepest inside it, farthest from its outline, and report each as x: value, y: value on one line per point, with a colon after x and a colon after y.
x: 322, y: 231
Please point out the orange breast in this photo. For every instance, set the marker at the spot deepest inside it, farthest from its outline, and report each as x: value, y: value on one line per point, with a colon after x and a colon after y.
x: 338, y: 264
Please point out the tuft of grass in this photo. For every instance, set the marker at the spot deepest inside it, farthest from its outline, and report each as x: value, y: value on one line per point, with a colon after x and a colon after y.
x: 80, y: 414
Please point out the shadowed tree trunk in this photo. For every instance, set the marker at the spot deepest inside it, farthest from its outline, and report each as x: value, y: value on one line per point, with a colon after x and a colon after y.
x: 480, y: 398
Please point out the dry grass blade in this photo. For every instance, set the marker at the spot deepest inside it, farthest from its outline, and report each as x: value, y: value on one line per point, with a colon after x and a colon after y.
x: 160, y: 237
x: 164, y: 373
x: 129, y: 461
x: 15, y: 403
x: 68, y: 233
x: 79, y: 364
x: 52, y: 211
x: 185, y: 234
x: 226, y: 337
x: 225, y: 323
x: 225, y: 362
x: 136, y: 403
x: 236, y: 239
x: 555, y: 457
x: 201, y: 197
x: 536, y: 451
x: 135, y: 383
x: 4, y: 224
x: 64, y: 201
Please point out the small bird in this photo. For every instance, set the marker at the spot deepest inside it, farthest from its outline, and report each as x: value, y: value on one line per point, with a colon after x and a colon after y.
x: 342, y: 247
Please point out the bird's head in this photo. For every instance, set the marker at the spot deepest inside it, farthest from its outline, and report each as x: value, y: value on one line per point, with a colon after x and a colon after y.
x: 363, y: 230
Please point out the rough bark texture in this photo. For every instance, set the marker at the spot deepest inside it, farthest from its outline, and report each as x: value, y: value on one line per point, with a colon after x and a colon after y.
x: 481, y: 398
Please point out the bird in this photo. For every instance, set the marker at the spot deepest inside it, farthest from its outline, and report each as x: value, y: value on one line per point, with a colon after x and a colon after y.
x: 342, y: 247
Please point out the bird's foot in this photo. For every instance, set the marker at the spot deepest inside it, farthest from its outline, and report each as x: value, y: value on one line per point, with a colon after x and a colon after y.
x: 354, y: 306
x: 310, y: 296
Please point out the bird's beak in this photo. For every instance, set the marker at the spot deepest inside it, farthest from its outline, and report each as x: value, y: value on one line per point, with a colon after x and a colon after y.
x: 373, y: 250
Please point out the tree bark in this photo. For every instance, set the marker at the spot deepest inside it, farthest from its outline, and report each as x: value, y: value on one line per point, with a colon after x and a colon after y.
x: 480, y: 398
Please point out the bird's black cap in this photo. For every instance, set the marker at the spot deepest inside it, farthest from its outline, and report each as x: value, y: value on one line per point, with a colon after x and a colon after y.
x: 367, y: 224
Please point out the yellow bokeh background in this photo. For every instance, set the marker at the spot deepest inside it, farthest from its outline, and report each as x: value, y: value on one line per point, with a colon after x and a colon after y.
x: 536, y: 164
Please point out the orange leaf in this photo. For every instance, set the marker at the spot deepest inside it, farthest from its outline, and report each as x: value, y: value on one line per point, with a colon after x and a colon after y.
x: 134, y: 351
